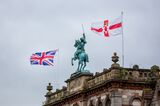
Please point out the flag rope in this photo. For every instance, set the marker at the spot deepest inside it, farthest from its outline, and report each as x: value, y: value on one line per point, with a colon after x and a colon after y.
x: 58, y: 84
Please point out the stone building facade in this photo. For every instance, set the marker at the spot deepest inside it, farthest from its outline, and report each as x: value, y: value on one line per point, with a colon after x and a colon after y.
x: 116, y: 86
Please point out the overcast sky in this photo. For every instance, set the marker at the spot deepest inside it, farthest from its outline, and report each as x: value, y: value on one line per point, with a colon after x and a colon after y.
x: 29, y: 26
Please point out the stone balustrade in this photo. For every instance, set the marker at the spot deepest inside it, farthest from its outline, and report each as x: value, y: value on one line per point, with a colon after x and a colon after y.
x: 128, y: 74
x: 82, y: 82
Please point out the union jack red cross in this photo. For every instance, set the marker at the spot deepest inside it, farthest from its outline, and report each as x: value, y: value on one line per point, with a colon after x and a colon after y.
x: 43, y: 58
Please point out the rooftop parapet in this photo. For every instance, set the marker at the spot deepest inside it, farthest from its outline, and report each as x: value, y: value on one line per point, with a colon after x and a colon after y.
x: 134, y: 75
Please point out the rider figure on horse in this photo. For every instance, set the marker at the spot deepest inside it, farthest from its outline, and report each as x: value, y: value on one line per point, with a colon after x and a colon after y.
x: 80, y: 46
x: 80, y: 54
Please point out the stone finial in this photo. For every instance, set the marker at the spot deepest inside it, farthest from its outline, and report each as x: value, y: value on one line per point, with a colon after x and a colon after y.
x: 155, y: 72
x: 97, y: 73
x: 49, y: 87
x: 115, y: 58
x: 57, y: 90
x: 154, y: 68
x: 135, y: 67
x: 64, y: 87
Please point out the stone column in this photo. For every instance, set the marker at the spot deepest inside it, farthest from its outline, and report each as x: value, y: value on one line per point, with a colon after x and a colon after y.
x: 84, y: 102
x: 116, y: 98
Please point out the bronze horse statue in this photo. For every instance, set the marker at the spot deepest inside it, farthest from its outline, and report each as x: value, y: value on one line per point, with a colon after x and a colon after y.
x: 80, y: 54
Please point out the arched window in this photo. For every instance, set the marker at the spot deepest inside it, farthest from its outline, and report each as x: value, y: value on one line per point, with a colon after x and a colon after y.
x: 108, y: 102
x: 91, y: 103
x: 76, y: 104
x: 99, y: 102
x: 136, y: 102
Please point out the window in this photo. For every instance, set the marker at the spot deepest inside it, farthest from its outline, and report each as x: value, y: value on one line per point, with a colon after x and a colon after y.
x: 141, y: 75
x: 158, y: 94
x: 108, y: 102
x: 145, y: 74
x: 76, y: 104
x: 99, y: 102
x: 91, y: 103
x: 126, y: 73
x: 130, y: 73
x: 136, y: 102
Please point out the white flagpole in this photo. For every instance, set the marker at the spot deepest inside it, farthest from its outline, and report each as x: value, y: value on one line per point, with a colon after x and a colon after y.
x: 122, y: 41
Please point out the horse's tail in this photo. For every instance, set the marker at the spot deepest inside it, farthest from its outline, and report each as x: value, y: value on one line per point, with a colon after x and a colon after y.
x: 72, y: 61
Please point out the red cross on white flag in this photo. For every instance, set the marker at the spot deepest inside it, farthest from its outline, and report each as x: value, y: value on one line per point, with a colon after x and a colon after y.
x: 108, y: 28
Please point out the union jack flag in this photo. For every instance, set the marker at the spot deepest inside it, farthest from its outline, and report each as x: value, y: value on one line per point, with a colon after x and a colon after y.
x: 43, y: 58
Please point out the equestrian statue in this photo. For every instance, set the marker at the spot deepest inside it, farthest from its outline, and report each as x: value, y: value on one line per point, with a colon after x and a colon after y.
x: 80, y: 54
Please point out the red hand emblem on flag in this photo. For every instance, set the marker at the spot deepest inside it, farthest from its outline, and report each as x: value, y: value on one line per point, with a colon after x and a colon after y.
x: 108, y: 28
x: 102, y: 28
x: 105, y: 28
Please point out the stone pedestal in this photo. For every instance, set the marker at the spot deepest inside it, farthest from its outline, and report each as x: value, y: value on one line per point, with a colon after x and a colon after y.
x: 77, y: 81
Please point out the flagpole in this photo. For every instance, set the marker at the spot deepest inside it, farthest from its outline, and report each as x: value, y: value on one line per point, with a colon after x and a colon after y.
x: 122, y: 41
x: 58, y: 73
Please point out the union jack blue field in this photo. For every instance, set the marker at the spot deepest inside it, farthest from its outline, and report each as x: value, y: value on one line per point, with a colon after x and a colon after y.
x: 43, y: 58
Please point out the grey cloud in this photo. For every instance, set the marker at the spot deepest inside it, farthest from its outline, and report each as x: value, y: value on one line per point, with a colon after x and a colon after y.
x: 40, y: 25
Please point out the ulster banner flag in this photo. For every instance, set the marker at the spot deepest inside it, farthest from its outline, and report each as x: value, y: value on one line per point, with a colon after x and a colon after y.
x: 108, y: 28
